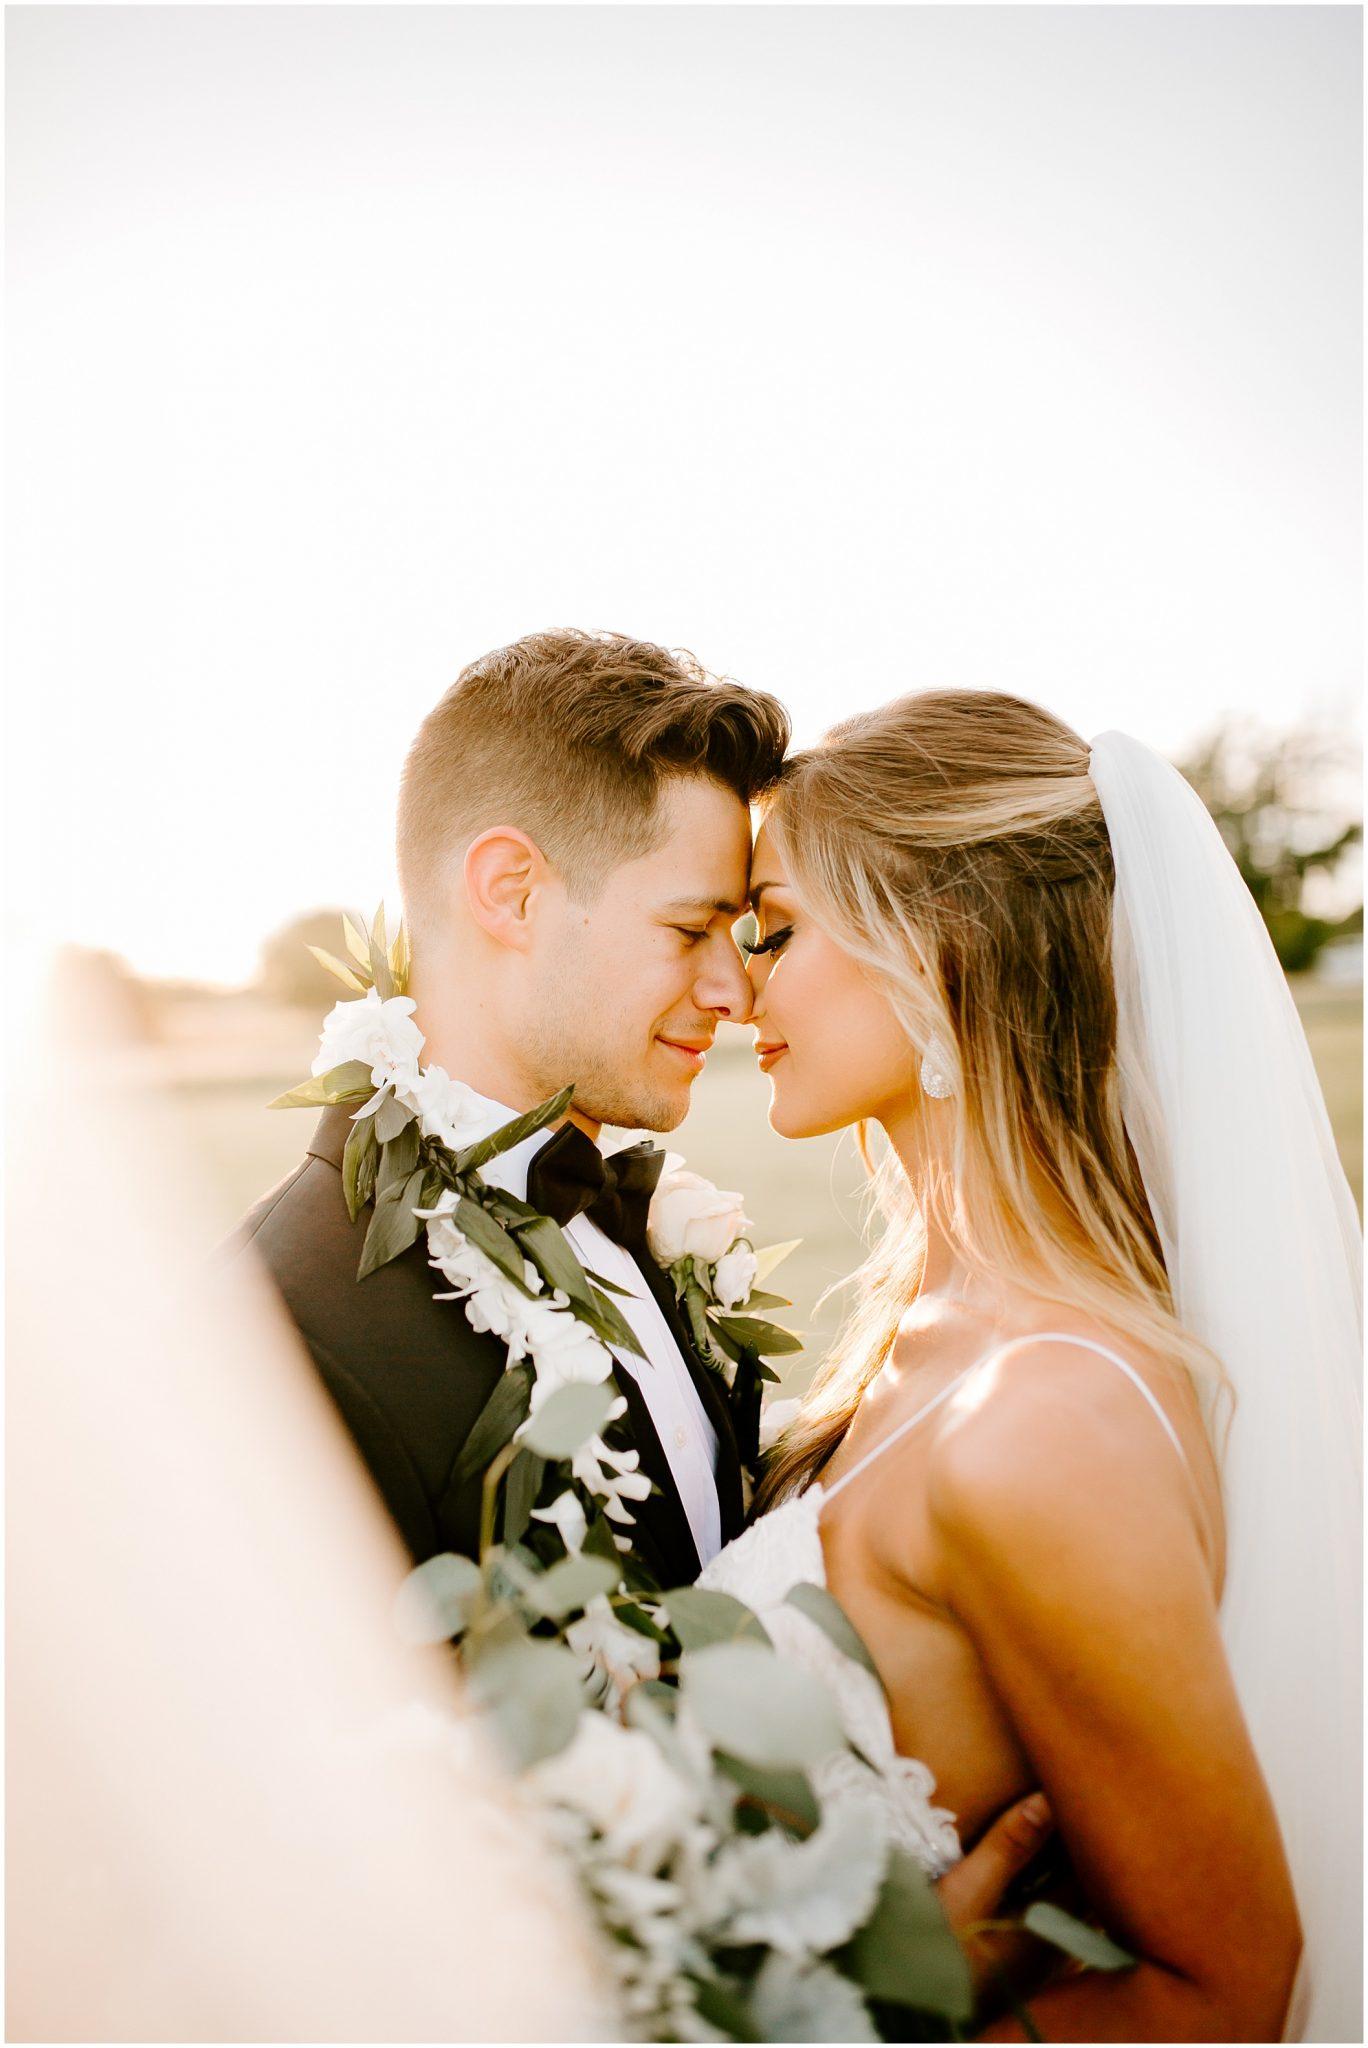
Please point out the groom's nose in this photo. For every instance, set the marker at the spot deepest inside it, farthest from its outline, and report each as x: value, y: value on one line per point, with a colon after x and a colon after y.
x: 724, y: 986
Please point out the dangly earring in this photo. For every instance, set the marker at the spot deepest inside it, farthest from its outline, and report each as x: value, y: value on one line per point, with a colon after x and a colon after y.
x: 935, y: 1081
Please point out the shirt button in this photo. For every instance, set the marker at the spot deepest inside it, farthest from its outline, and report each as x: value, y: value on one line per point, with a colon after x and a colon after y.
x: 681, y: 1436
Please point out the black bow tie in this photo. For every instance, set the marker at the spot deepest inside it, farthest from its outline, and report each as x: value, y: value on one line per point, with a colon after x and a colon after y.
x: 570, y: 1177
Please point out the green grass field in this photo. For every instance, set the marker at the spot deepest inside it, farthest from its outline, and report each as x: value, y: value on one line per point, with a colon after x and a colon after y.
x: 230, y: 1064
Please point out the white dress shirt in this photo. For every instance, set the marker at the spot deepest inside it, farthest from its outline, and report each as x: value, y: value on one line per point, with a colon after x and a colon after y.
x: 681, y: 1422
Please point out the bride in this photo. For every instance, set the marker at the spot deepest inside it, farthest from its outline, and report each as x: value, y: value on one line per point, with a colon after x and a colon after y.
x: 1082, y: 1467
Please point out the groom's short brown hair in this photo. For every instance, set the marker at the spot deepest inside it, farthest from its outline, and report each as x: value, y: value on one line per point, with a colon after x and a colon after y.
x: 569, y: 736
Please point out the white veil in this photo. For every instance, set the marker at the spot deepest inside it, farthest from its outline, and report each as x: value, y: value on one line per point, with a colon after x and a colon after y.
x: 1261, y: 1240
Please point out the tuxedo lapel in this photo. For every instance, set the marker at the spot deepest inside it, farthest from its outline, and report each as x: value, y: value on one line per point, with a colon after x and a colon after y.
x: 663, y: 1520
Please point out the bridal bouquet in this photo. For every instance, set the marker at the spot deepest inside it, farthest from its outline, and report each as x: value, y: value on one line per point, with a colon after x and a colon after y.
x: 666, y: 1748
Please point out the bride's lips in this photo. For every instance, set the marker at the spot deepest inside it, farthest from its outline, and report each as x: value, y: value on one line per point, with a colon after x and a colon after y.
x: 768, y: 1054
x: 694, y: 1052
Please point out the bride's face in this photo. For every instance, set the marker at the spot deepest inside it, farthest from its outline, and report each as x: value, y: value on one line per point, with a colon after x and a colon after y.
x: 825, y: 1033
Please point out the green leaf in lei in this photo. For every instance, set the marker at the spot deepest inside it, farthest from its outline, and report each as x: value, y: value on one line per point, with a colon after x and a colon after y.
x: 394, y: 1226
x: 511, y: 1134
x: 496, y: 1422
x: 381, y: 977
x: 338, y: 969
x: 490, y: 1237
x: 356, y: 945
x: 521, y: 1489
x: 350, y: 1082
x: 359, y: 1164
x: 400, y: 1156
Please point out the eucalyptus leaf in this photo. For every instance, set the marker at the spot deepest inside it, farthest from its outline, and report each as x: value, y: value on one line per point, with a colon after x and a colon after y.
x: 723, y: 2007
x: 765, y: 1338
x: 511, y: 1134
x: 906, y: 1953
x: 756, y: 1299
x: 1085, y: 1944
x: 521, y: 1488
x: 532, y: 1692
x: 351, y: 1082
x: 497, y: 1421
x: 490, y: 1237
x: 787, y: 1795
x: 570, y: 1585
x: 699, y: 1617
x: 338, y: 969
x: 799, y: 1999
x: 393, y: 1226
x: 359, y: 1160
x: 831, y: 1618
x: 568, y: 1419
x: 757, y: 1707
x: 435, y: 1601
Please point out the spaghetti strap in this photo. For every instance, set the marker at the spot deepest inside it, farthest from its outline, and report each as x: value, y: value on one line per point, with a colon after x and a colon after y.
x: 830, y: 1492
x: 1087, y: 1344
x: 1042, y: 1337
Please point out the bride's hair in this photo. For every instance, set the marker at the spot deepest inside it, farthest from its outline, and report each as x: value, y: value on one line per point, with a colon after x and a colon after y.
x: 954, y: 844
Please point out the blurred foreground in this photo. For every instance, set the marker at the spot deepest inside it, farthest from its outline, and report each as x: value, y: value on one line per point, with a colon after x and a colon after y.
x: 228, y: 1816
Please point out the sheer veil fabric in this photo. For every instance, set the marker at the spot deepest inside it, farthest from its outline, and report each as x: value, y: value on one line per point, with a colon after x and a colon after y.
x: 1261, y: 1239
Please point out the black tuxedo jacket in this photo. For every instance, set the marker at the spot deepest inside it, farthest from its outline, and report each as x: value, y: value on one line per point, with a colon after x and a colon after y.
x: 410, y: 1376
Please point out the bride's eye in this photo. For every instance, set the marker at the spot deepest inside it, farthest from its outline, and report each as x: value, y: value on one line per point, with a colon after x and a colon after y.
x: 775, y: 943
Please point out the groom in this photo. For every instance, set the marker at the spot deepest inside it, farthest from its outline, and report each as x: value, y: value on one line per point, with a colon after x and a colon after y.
x: 574, y: 846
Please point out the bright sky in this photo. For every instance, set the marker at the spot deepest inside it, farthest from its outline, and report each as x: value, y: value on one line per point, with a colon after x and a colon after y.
x: 858, y: 349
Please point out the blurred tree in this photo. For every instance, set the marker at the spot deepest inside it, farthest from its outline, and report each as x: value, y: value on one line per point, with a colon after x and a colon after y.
x: 290, y: 974
x: 1287, y: 807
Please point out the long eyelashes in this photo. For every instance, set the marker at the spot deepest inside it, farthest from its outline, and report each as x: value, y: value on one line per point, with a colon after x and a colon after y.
x: 773, y: 944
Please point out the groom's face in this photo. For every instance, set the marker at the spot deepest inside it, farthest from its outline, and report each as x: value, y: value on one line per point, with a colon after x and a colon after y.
x: 629, y: 988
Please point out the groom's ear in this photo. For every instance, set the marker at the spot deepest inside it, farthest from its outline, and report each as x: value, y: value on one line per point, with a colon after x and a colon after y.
x: 504, y: 872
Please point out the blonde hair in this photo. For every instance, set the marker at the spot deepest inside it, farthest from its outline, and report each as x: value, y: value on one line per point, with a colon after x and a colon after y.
x: 954, y: 844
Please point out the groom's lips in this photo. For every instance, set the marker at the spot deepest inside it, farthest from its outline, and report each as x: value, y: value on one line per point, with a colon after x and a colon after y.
x: 693, y: 1050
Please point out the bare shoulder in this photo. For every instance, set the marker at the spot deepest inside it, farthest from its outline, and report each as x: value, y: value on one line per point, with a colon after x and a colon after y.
x: 1051, y: 1441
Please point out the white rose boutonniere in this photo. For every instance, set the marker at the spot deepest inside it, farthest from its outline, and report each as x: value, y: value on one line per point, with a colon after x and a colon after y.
x: 698, y: 1233
x: 690, y: 1218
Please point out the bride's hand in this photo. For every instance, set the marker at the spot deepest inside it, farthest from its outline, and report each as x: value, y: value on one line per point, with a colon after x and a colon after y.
x: 973, y: 1891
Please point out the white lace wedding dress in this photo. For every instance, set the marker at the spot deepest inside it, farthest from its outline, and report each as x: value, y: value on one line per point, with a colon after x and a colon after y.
x: 782, y: 1550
